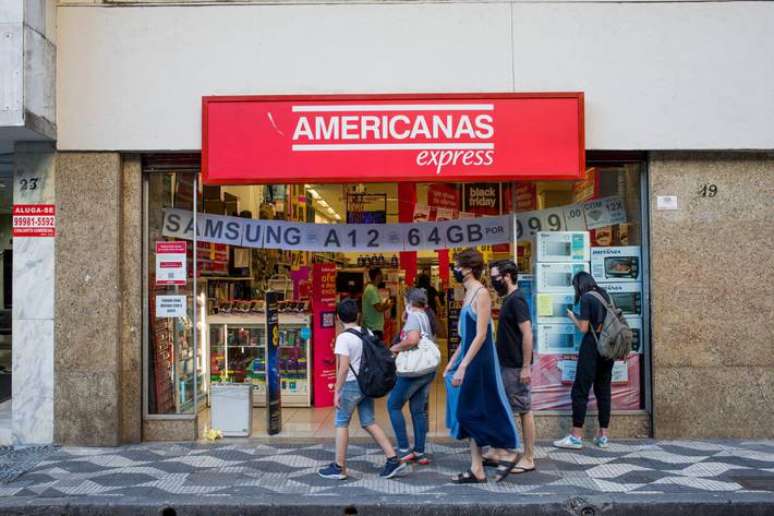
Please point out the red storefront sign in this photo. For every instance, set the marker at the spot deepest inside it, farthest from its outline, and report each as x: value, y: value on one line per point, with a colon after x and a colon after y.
x: 340, y: 138
x: 34, y: 220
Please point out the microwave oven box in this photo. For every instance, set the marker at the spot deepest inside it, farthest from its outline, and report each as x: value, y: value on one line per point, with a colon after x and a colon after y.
x: 635, y: 323
x: 562, y: 246
x: 526, y: 285
x: 559, y: 339
x: 552, y: 308
x: 556, y: 278
x: 616, y: 263
x: 627, y: 295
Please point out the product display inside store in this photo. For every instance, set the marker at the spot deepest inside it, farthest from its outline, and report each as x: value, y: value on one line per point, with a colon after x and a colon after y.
x: 210, y: 326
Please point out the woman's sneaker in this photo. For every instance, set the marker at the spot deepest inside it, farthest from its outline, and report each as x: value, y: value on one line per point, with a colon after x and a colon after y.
x: 601, y: 441
x: 332, y: 471
x: 392, y: 467
x: 570, y: 442
x: 416, y: 457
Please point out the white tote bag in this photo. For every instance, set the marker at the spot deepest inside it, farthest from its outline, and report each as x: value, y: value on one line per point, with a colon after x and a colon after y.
x: 423, y: 358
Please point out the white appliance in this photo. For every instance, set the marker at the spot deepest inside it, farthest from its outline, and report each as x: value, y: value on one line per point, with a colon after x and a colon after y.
x: 562, y: 246
x: 552, y: 308
x: 556, y: 278
x: 616, y: 263
x: 558, y: 339
x: 626, y: 295
x: 232, y: 408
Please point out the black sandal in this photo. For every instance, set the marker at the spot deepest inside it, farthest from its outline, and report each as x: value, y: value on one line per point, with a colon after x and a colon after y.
x: 490, y: 463
x: 504, y: 469
x: 468, y: 478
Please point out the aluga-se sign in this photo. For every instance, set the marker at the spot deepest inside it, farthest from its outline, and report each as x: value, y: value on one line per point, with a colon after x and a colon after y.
x: 292, y: 139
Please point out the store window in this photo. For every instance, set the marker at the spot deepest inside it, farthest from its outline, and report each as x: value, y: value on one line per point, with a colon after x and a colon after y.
x: 174, y: 366
x: 216, y: 339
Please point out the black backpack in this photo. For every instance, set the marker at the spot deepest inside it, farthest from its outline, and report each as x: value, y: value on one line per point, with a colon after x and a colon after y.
x: 377, y: 374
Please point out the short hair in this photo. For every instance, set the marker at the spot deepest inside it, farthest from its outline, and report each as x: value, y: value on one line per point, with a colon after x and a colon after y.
x: 470, y: 259
x: 348, y: 310
x: 373, y: 272
x: 506, y: 268
x: 416, y: 297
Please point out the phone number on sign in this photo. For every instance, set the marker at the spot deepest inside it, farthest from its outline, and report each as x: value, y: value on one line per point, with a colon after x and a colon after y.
x: 33, y: 222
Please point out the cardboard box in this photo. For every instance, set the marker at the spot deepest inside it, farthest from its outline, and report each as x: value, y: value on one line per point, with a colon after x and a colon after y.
x: 552, y: 308
x: 626, y: 295
x: 560, y: 339
x: 635, y: 323
x: 615, y: 235
x: 562, y: 246
x: 616, y: 264
x: 526, y: 285
x: 556, y: 278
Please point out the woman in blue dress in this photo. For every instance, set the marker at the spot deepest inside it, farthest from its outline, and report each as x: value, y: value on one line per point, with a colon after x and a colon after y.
x: 476, y: 405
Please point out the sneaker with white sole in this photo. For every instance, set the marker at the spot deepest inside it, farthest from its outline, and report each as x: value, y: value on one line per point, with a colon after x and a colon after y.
x: 570, y: 442
x: 392, y: 467
x: 332, y: 471
x: 601, y: 441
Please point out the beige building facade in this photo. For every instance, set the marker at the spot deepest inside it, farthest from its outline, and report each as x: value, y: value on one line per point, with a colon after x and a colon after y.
x: 695, y: 117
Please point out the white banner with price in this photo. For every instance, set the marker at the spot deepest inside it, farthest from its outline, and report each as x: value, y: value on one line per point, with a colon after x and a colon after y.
x: 585, y: 216
x: 294, y: 236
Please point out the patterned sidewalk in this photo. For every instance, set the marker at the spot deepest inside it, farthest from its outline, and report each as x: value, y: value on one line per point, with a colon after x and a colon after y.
x: 250, y: 469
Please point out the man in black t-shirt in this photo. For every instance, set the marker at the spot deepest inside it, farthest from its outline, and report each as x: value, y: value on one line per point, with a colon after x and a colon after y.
x: 514, y: 350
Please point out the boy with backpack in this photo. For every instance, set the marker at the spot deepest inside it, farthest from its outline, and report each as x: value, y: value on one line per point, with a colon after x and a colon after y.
x: 365, y: 370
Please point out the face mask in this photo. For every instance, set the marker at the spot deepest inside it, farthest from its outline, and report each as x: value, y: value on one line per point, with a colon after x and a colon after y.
x: 459, y: 277
x: 500, y: 287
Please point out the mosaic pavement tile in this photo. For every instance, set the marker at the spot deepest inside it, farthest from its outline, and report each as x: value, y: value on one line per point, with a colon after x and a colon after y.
x: 122, y: 479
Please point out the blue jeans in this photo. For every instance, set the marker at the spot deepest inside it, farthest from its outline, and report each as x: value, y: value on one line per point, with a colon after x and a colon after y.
x: 415, y: 391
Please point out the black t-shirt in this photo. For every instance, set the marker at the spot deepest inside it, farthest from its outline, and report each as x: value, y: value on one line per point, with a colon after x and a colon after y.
x: 592, y: 310
x: 513, y: 312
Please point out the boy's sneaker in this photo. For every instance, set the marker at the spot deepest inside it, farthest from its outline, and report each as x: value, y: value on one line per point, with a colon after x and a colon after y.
x: 601, y: 441
x: 392, y: 467
x: 332, y: 471
x: 416, y: 457
x: 570, y: 442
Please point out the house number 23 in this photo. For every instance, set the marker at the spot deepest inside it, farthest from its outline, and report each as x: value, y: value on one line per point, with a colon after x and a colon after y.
x: 29, y: 184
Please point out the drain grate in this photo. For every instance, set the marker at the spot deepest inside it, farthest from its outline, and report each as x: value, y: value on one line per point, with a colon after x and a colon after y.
x: 756, y: 483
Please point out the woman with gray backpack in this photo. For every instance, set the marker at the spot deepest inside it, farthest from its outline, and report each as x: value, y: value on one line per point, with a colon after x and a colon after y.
x: 606, y: 338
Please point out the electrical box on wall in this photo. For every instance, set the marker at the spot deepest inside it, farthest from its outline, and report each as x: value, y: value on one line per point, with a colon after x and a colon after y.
x: 562, y: 246
x: 616, y: 263
x: 556, y: 278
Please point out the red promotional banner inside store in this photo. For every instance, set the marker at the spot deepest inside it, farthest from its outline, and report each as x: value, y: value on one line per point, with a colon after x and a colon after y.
x: 376, y: 138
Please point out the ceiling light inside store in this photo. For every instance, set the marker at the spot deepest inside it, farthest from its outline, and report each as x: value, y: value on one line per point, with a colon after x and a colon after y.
x: 314, y: 194
x: 324, y: 203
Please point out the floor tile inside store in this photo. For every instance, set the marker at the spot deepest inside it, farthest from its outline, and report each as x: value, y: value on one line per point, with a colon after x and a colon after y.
x: 318, y: 423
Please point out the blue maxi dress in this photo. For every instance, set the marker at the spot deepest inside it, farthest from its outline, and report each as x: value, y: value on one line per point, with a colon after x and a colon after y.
x: 479, y: 408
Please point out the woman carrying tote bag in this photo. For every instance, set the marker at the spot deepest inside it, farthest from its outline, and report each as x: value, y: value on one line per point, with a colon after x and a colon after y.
x: 418, y: 359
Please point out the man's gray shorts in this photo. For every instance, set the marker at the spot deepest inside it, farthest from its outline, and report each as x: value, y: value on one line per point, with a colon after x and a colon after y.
x: 519, y: 394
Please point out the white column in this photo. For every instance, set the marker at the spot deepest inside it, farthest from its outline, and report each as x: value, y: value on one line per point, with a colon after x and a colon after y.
x: 33, y: 303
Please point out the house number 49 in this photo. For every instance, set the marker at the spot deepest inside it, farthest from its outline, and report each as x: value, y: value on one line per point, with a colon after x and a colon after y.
x: 708, y: 190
